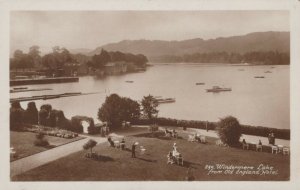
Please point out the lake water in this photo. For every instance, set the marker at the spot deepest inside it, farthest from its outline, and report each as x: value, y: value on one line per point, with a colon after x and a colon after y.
x: 259, y: 102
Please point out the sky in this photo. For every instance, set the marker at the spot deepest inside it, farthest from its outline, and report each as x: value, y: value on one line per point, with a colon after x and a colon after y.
x: 91, y: 29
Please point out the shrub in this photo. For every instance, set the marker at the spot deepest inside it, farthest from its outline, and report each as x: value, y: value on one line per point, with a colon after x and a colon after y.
x: 40, y: 140
x: 93, y: 130
x: 62, y: 121
x: 16, y: 105
x: 46, y: 107
x: 90, y: 145
x: 43, y: 115
x: 229, y: 130
x: 31, y: 114
x: 16, y: 119
x: 16, y: 116
x: 76, y: 124
x: 51, y: 120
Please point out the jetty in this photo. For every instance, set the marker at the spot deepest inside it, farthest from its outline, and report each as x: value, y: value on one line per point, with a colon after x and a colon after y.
x: 51, y: 96
x: 16, y: 82
x: 28, y: 90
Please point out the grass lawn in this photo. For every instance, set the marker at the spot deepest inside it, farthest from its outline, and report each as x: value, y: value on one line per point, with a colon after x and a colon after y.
x: 23, y: 143
x: 117, y: 165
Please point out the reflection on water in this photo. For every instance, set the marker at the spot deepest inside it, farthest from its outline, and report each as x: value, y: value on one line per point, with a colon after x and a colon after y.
x: 260, y: 102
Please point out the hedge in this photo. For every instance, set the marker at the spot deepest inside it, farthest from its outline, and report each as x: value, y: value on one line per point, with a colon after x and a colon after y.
x: 246, y: 129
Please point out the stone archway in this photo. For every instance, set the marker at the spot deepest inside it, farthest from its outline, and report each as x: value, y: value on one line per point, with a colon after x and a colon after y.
x: 84, y: 121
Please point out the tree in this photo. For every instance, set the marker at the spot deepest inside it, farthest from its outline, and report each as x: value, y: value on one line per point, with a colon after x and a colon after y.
x: 21, y: 60
x: 90, y: 145
x: 149, y: 107
x: 98, y: 61
x: 131, y: 109
x: 116, y: 109
x: 229, y: 130
x: 34, y: 53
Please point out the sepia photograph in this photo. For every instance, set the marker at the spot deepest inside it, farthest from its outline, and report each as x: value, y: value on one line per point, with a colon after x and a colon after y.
x: 149, y: 95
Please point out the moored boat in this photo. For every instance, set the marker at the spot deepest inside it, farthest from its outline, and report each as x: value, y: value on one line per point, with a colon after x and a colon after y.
x: 218, y: 89
x: 200, y: 83
x: 165, y: 100
x: 259, y: 77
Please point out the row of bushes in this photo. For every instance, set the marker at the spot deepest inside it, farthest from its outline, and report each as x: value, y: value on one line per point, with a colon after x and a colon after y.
x: 46, y: 117
x: 246, y: 129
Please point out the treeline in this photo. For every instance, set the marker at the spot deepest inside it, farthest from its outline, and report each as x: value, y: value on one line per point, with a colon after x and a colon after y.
x: 265, y: 58
x: 99, y: 60
x: 246, y: 129
x: 33, y: 59
x: 59, y: 57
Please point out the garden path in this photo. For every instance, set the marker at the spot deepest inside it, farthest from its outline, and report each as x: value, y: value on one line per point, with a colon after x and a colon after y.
x: 33, y: 161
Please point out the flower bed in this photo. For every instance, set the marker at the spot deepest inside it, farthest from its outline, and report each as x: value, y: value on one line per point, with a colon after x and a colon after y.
x: 51, y: 131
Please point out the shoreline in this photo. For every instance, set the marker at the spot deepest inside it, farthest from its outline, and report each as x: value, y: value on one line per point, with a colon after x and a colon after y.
x: 210, y: 64
x: 56, y: 80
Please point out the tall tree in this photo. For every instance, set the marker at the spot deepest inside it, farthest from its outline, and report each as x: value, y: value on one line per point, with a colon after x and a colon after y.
x: 229, y: 130
x: 116, y: 109
x: 34, y: 53
x: 149, y: 107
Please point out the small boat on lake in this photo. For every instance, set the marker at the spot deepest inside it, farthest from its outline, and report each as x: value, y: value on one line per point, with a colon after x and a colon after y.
x: 165, y: 100
x: 241, y: 69
x: 218, y: 89
x: 129, y: 81
x: 200, y: 83
x: 259, y: 77
x: 268, y: 72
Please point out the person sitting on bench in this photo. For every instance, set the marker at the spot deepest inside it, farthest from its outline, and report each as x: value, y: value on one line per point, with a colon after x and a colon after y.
x: 174, y: 134
x: 111, y: 142
x: 170, y: 158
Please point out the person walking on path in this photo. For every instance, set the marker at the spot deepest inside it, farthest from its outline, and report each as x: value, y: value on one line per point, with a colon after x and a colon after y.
x: 189, y: 175
x: 133, y: 149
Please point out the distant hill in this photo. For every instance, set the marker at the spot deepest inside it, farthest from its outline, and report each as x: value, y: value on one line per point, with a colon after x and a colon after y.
x: 258, y: 41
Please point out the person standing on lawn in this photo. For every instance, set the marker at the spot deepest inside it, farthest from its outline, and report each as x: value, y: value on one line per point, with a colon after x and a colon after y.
x: 189, y: 176
x: 133, y: 149
x: 123, y: 144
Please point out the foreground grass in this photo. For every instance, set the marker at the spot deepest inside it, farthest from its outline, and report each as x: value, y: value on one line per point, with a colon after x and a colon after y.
x: 117, y: 165
x: 23, y: 143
